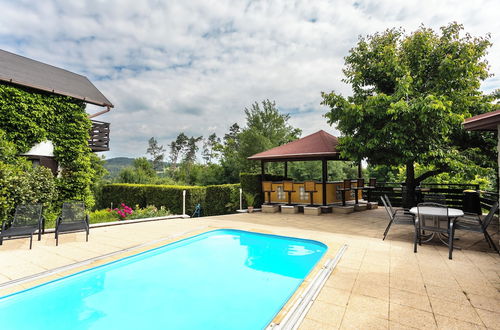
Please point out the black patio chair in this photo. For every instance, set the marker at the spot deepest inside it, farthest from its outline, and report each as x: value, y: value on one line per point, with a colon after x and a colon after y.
x: 27, y: 220
x: 73, y: 219
x: 475, y: 224
x: 398, y: 217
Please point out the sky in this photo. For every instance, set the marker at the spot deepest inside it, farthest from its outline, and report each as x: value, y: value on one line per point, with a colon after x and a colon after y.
x: 193, y: 66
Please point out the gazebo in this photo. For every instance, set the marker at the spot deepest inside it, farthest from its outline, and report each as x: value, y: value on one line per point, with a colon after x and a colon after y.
x: 319, y: 146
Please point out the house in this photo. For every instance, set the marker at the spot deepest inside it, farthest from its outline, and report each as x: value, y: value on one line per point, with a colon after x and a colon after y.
x: 19, y: 71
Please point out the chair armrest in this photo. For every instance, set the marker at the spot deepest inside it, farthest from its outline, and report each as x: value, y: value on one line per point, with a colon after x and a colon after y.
x: 58, y: 221
x: 87, y: 220
x: 3, y: 224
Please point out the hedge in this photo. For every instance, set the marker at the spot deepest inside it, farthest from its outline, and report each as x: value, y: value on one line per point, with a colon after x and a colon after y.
x: 251, y: 183
x: 214, y: 200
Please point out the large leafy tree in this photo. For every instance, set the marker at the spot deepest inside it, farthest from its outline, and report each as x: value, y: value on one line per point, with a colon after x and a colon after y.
x: 266, y: 128
x: 410, y: 95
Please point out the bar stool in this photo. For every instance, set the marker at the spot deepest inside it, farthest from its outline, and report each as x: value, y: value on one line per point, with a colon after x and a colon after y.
x: 371, y: 186
x: 267, y: 187
x: 310, y: 187
x: 346, y: 187
x: 288, y: 187
x: 359, y: 186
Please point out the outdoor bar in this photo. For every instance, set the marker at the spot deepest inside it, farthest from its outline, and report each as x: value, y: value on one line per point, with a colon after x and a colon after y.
x: 319, y: 146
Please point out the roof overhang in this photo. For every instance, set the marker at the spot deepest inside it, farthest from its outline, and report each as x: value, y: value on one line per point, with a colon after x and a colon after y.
x: 22, y: 71
x: 484, y: 122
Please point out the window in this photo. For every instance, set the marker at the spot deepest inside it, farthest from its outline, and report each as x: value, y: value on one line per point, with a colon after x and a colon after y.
x: 302, y: 194
x: 280, y: 193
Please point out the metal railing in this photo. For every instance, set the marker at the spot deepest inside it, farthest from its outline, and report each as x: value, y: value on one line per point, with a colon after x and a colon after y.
x: 453, y: 193
x: 99, y: 136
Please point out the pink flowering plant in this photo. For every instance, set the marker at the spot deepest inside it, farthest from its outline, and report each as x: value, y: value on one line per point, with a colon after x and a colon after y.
x: 123, y: 211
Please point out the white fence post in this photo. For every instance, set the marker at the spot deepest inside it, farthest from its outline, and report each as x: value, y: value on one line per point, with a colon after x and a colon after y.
x: 241, y: 199
x: 183, y: 202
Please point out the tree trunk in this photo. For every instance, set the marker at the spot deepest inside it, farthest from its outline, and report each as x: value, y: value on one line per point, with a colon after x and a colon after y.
x: 409, y: 188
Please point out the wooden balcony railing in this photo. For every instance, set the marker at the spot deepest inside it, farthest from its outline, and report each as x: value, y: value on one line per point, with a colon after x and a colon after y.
x: 99, y: 136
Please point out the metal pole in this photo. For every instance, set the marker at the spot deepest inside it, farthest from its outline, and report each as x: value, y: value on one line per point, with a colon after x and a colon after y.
x: 183, y: 202
x: 324, y: 179
x: 241, y: 199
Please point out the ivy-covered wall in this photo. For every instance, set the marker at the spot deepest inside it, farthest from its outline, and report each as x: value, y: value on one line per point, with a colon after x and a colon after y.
x: 28, y: 117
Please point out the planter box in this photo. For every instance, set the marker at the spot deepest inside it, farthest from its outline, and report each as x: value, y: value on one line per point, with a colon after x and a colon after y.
x: 343, y: 209
x: 312, y: 210
x: 289, y: 209
x: 360, y: 207
x: 268, y: 208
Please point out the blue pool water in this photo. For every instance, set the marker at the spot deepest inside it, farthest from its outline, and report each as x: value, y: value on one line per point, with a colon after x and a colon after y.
x: 223, y: 279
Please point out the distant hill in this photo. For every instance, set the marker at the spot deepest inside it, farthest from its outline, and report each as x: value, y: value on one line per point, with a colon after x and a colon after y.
x: 115, y: 165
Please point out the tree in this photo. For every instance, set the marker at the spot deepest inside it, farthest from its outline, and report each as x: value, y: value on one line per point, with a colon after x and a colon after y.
x: 210, y: 148
x: 176, y: 148
x: 266, y: 128
x: 157, y: 153
x: 229, y: 154
x: 191, y: 148
x: 142, y: 171
x: 410, y: 96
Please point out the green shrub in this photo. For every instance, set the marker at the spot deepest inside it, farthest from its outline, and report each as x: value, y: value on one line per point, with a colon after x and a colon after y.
x: 214, y: 200
x: 100, y: 216
x: 21, y: 183
x: 149, y: 212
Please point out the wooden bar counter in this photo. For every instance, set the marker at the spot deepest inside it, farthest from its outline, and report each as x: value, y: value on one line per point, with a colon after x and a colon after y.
x: 300, y: 196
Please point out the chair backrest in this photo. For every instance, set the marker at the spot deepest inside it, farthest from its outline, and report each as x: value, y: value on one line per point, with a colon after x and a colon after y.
x: 27, y: 215
x: 430, y: 214
x: 388, y: 201
x: 373, y: 182
x: 73, y: 211
x: 435, y: 198
x: 347, y: 183
x: 389, y: 212
x: 361, y: 183
x: 288, y: 185
x: 487, y: 220
x: 310, y: 186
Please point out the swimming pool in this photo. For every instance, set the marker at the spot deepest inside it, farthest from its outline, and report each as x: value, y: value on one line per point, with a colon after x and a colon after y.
x: 222, y: 279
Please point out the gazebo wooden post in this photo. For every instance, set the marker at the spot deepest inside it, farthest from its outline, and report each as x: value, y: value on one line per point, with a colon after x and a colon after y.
x: 324, y: 178
x: 360, y: 170
x: 286, y: 169
x: 263, y: 171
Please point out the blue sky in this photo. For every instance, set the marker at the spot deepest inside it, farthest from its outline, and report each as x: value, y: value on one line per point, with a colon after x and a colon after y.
x: 193, y: 66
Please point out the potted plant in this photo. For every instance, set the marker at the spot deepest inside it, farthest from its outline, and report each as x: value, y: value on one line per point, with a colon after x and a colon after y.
x: 250, y: 198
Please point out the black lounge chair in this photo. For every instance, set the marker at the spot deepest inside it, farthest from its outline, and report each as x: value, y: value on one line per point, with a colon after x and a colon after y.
x: 73, y: 219
x: 27, y: 220
x: 475, y: 224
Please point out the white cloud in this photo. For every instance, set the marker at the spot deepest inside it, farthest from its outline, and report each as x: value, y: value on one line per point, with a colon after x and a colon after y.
x: 193, y: 66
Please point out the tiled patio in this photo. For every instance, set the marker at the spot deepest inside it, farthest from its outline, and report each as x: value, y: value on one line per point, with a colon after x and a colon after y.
x: 377, y: 284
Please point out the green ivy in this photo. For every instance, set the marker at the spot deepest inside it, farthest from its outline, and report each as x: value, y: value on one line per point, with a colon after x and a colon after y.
x: 29, y: 117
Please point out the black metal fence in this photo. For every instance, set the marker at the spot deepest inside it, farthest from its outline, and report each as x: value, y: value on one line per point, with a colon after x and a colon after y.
x: 453, y: 193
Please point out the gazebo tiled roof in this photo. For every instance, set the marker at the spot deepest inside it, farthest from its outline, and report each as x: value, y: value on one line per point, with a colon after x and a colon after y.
x: 317, y: 146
